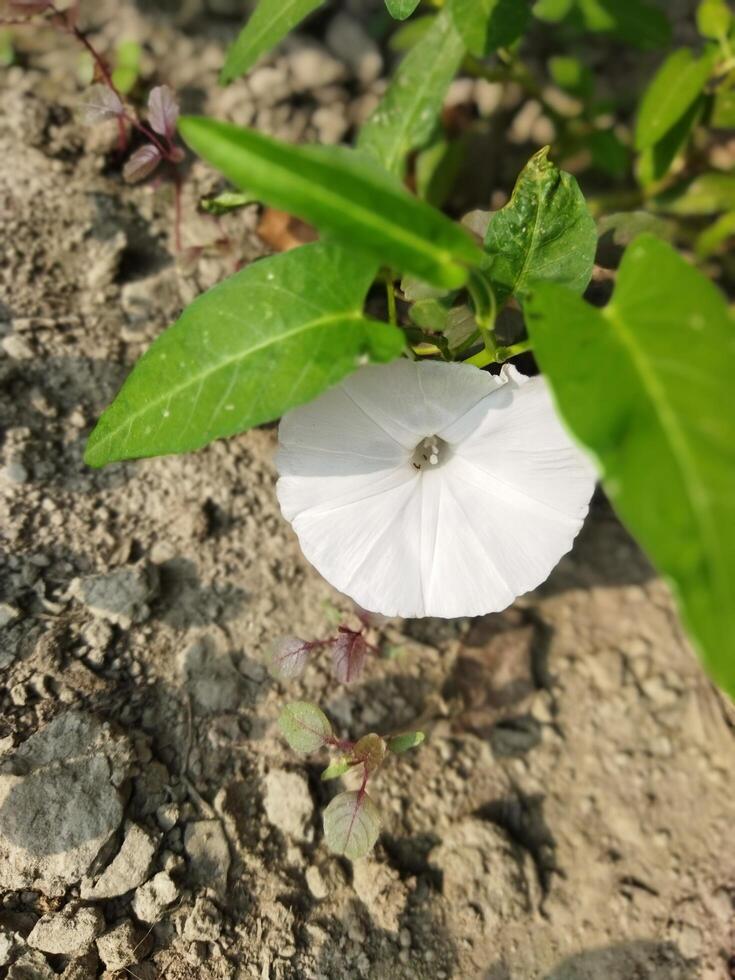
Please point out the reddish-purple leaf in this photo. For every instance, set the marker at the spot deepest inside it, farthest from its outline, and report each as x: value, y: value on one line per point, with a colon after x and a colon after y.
x: 100, y: 103
x: 142, y: 163
x: 348, y: 654
x: 351, y: 825
x: 287, y: 657
x: 163, y: 111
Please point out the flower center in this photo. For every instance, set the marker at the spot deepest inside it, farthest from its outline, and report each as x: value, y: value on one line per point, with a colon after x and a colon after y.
x: 430, y: 453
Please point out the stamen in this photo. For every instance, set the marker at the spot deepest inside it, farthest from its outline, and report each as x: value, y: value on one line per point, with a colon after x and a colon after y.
x: 430, y: 452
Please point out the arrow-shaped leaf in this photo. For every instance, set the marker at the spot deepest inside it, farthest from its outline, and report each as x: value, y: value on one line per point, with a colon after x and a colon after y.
x: 401, y: 9
x: 646, y: 385
x: 343, y: 195
x: 271, y: 337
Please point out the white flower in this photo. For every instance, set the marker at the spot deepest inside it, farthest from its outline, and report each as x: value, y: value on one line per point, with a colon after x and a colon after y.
x: 433, y: 489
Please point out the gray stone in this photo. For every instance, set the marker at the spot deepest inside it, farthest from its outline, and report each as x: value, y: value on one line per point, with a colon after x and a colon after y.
x: 17, y: 348
x: 152, y: 899
x: 204, y: 923
x: 215, y: 685
x: 8, y: 614
x: 124, y: 945
x: 60, y: 805
x: 209, y: 854
x: 14, y: 472
x: 70, y: 931
x: 121, y: 597
x: 31, y: 966
x: 288, y: 804
x: 128, y: 869
x: 311, y: 66
x: 348, y: 39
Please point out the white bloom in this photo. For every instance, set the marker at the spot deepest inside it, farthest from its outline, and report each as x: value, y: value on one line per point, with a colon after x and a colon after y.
x: 433, y: 489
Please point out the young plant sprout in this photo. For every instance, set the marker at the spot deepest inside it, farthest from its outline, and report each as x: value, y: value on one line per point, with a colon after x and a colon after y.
x: 352, y: 820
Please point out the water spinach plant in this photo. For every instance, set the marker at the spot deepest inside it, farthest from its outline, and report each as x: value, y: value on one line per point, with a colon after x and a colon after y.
x: 422, y: 471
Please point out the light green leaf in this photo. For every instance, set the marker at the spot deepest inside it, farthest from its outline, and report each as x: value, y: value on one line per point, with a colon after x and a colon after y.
x: 225, y: 202
x: 553, y: 10
x: 714, y: 18
x: 486, y: 25
x: 337, y: 768
x: 127, y: 66
x: 406, y: 116
x: 351, y: 825
x: 304, y: 726
x: 646, y: 385
x: 269, y: 23
x: 723, y: 110
x: 343, y: 195
x: 271, y: 337
x: 545, y: 232
x: 676, y: 85
x: 712, y: 239
x: 708, y: 194
x: 401, y: 9
x: 403, y: 743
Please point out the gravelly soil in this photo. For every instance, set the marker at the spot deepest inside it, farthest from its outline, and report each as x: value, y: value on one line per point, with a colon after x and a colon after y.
x: 570, y: 815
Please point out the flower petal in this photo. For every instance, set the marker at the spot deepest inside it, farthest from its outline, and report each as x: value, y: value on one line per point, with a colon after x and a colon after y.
x: 462, y: 539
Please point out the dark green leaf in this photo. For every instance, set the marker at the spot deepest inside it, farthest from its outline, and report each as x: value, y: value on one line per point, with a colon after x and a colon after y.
x: 624, y: 226
x: 655, y: 161
x: 677, y: 84
x: 305, y: 727
x: 553, y: 11
x: 269, y: 338
x: 713, y: 238
x: 403, y: 743
x: 486, y: 25
x: 633, y: 21
x: 609, y: 154
x: 351, y: 825
x: 342, y: 194
x: 401, y: 9
x: 545, y: 232
x: 407, y: 114
x: 269, y: 23
x: 708, y: 194
x: 646, y: 385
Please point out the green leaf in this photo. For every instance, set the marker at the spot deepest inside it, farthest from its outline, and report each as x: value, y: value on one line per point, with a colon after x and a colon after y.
x: 271, y: 337
x: 624, y: 226
x: 406, y: 116
x: 632, y: 21
x: 544, y: 232
x: 655, y: 161
x: 337, y: 768
x: 646, y: 385
x: 714, y: 19
x: 225, y: 202
x: 343, y: 195
x: 723, y: 110
x: 572, y: 75
x: 127, y: 66
x: 609, y: 154
x: 403, y: 743
x: 304, y: 726
x: 486, y: 25
x: 269, y: 23
x: 676, y: 85
x: 553, y: 11
x: 401, y: 9
x: 708, y: 194
x: 712, y: 239
x: 351, y: 825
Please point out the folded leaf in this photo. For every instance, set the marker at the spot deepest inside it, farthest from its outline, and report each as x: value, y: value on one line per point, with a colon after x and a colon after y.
x: 545, y: 232
x: 269, y: 23
x: 342, y: 194
x: 646, y: 385
x: 486, y: 25
x: 407, y: 115
x: 269, y: 338
x: 676, y: 85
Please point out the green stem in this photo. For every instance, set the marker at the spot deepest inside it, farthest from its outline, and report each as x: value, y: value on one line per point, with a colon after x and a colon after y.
x: 486, y: 308
x: 391, y: 295
x: 499, y: 355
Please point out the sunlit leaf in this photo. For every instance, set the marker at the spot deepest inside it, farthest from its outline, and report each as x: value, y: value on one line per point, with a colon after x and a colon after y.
x: 676, y: 85
x: 714, y: 18
x: 304, y: 726
x: 406, y: 116
x: 404, y: 743
x: 486, y: 25
x: 708, y: 194
x: 342, y: 194
x: 269, y: 23
x: 287, y: 657
x: 270, y: 337
x: 349, y: 651
x: 545, y: 232
x: 655, y: 161
x: 401, y: 9
x: 646, y: 386
x: 337, y: 768
x: 370, y: 751
x: 351, y: 825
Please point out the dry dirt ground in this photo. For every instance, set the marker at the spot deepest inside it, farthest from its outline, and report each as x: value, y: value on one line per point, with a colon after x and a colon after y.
x: 570, y: 815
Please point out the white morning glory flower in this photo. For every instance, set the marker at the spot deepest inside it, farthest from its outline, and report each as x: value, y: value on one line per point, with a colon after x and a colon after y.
x: 433, y: 489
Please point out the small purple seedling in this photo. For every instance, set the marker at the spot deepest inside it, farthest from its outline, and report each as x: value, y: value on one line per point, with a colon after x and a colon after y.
x: 289, y: 655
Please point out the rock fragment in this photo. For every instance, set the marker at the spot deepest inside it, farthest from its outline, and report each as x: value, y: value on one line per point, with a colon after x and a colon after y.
x: 67, y: 932
x: 288, y: 804
x: 30, y: 966
x: 154, y: 897
x: 121, y: 596
x: 128, y: 869
x: 204, y: 923
x: 209, y: 854
x: 124, y: 945
x: 60, y: 804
